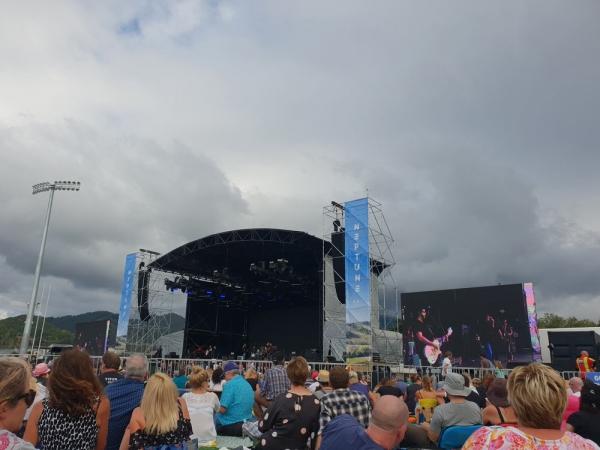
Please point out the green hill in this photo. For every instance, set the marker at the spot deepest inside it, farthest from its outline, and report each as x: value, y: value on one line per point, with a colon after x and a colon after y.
x: 61, y: 330
x: 11, y: 330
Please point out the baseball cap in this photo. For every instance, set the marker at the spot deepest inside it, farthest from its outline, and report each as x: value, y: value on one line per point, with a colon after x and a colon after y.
x: 230, y: 365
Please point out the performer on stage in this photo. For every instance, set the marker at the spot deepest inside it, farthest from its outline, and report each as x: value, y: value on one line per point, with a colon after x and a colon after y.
x: 507, y: 334
x: 428, y: 347
x: 585, y: 364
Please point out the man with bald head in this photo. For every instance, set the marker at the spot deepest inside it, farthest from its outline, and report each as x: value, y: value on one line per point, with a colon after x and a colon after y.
x: 386, y: 429
x: 125, y: 395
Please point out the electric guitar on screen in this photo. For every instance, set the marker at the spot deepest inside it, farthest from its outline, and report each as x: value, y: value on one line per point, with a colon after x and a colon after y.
x: 433, y: 352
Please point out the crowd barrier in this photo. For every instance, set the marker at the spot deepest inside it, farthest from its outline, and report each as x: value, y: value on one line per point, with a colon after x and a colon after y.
x: 375, y: 371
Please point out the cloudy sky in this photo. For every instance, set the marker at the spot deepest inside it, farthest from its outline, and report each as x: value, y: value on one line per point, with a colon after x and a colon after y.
x: 474, y: 123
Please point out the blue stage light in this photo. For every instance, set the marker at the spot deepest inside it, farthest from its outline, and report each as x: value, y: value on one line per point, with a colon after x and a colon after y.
x: 222, y: 296
x: 209, y: 292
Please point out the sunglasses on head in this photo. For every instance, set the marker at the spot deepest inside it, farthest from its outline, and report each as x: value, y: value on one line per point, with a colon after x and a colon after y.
x: 29, y: 397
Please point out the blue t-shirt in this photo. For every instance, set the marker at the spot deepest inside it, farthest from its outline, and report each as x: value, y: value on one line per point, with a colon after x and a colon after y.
x: 402, y: 386
x: 359, y: 387
x: 344, y: 432
x: 180, y: 381
x: 238, y: 399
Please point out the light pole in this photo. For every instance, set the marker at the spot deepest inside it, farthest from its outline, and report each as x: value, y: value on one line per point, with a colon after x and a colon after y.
x: 38, y: 188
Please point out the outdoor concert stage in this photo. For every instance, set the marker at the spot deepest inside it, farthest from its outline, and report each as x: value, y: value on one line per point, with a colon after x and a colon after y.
x: 248, y: 287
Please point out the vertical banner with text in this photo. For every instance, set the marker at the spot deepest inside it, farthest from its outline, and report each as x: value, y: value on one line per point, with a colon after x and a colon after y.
x: 126, y: 291
x: 533, y: 326
x: 359, y: 341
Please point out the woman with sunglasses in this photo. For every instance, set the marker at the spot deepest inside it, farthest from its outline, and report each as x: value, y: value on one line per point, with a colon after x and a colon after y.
x: 74, y: 416
x: 15, y: 397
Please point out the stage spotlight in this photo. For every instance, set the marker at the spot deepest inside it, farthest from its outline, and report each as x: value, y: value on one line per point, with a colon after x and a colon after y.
x: 209, y: 292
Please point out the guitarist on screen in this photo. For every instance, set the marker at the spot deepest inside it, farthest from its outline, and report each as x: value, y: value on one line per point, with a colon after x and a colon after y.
x: 428, y: 345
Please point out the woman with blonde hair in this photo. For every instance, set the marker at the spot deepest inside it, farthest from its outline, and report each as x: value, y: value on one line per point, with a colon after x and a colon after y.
x: 75, y: 414
x: 427, y: 399
x: 16, y: 396
x: 538, y: 397
x: 202, y: 406
x: 161, y: 419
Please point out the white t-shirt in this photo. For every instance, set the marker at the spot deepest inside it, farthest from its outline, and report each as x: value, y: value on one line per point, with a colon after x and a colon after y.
x: 446, y: 366
x: 216, y: 387
x: 202, y: 408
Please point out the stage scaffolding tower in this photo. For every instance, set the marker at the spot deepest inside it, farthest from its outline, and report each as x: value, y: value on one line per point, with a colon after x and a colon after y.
x: 385, y: 301
x: 142, y: 335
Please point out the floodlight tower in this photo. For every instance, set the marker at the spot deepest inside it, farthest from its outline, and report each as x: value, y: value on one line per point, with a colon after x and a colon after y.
x: 37, y: 189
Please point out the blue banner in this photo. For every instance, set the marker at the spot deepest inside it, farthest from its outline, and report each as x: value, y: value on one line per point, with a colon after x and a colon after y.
x: 126, y: 291
x: 358, y: 276
x: 594, y: 377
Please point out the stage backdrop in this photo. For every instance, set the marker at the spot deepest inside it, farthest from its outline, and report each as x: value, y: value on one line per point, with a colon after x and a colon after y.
x: 496, y: 321
x: 95, y: 337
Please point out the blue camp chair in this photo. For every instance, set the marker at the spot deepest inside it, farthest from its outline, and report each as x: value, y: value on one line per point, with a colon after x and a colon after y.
x: 455, y: 436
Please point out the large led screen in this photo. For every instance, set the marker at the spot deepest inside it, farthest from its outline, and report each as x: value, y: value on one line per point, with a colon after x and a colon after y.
x: 492, y: 321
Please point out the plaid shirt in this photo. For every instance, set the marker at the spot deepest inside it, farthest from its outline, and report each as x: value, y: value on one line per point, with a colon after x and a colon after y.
x: 276, y: 382
x: 344, y: 401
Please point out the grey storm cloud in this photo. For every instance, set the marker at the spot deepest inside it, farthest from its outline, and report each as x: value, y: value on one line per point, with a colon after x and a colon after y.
x: 474, y: 123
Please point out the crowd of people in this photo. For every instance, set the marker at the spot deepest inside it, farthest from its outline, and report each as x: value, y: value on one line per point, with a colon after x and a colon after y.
x: 68, y: 406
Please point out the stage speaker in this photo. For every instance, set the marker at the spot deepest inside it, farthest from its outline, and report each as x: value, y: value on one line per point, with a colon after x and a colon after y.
x: 338, y: 239
x: 311, y: 354
x: 142, y: 292
x: 376, y: 357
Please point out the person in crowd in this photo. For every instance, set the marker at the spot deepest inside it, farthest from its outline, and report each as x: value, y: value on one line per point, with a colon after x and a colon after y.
x: 251, y: 376
x: 476, y: 382
x: 217, y: 380
x: 324, y: 387
x: 402, y: 385
x: 343, y: 401
x: 109, y: 369
x: 388, y: 387
x: 498, y: 410
x: 202, y: 406
x: 585, y: 364
x: 161, y: 419
x: 538, y: 396
x: 237, y: 401
x: 458, y: 411
x: 292, y: 418
x: 314, y: 383
x: 470, y: 383
x: 488, y: 378
x: 485, y: 363
x: 416, y: 384
x: 575, y: 386
x: 125, y: 395
x: 572, y: 407
x: 75, y: 414
x: 40, y: 372
x: 386, y: 429
x: 473, y: 395
x: 16, y: 396
x: 356, y: 385
x: 276, y: 380
x: 586, y: 421
x: 447, y: 364
x: 427, y: 399
x: 499, y: 370
x: 181, y: 379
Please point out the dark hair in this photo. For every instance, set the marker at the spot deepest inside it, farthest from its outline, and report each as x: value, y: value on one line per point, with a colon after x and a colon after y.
x: 467, y: 379
x: 277, y: 358
x: 217, y: 375
x: 111, y: 360
x: 73, y: 386
x: 339, y: 377
x: 297, y: 371
x: 448, y: 354
x: 590, y: 397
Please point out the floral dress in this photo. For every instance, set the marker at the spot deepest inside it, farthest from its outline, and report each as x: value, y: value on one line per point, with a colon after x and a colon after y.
x: 289, y: 422
x: 505, y: 438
